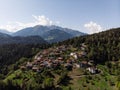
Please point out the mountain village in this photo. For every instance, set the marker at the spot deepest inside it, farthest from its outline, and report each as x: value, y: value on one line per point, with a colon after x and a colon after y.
x: 65, y: 56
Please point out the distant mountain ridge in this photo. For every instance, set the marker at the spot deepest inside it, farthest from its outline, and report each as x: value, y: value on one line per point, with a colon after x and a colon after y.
x: 56, y: 35
x: 43, y: 31
x: 3, y: 35
x: 51, y: 33
x: 7, y: 39
x: 5, y: 31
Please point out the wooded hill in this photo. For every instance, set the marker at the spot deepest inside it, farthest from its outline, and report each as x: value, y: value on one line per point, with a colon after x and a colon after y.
x: 103, y: 46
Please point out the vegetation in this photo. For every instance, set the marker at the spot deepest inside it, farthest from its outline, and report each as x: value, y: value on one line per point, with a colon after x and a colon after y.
x: 103, y: 48
x: 11, y: 53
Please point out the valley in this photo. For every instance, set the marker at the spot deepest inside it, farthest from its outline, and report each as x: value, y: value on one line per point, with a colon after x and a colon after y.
x: 59, y: 45
x: 80, y: 63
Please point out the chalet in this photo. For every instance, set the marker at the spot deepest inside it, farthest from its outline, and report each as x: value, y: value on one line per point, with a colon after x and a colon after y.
x: 77, y: 65
x: 22, y: 68
x: 61, y: 62
x: 35, y: 68
x: 74, y: 55
x: 35, y: 57
x: 79, y: 55
x: 60, y: 58
x: 55, y: 65
x: 83, y: 64
x: 52, y: 54
x: 91, y: 62
x: 83, y: 53
x: 45, y: 52
x: 68, y: 66
x: 45, y: 63
x: 36, y: 61
x: 71, y: 54
x: 92, y: 70
x: 49, y: 65
x: 69, y: 61
x: 38, y: 58
x: 40, y: 55
x: 29, y: 65
x: 83, y: 48
x: 56, y: 54
x: 63, y: 49
x: 83, y: 45
x: 42, y: 65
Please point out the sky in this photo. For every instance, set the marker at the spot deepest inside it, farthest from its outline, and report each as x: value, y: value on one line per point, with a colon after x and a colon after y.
x: 89, y: 16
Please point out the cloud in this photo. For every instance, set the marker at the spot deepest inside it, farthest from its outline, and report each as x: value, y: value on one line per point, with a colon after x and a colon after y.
x: 42, y: 20
x: 38, y: 20
x: 93, y: 27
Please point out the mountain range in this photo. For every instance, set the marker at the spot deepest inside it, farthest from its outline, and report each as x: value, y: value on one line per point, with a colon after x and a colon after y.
x: 7, y: 39
x: 49, y: 34
x: 40, y: 30
x: 5, y: 31
x: 55, y: 67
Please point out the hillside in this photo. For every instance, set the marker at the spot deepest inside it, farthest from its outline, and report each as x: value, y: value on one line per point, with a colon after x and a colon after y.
x: 3, y: 35
x: 28, y: 40
x: 7, y: 39
x: 88, y: 62
x: 43, y: 31
x: 102, y: 47
x: 5, y: 31
x: 11, y: 53
x: 56, y: 35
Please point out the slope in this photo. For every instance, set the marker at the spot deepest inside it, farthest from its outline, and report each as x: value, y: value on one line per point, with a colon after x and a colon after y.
x: 56, y: 35
x: 7, y: 39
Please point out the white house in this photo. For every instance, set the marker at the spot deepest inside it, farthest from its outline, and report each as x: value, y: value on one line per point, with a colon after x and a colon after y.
x: 74, y: 55
x: 92, y: 70
x: 77, y: 65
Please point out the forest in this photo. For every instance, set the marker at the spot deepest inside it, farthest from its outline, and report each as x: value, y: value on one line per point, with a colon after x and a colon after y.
x: 103, y: 48
x: 11, y: 53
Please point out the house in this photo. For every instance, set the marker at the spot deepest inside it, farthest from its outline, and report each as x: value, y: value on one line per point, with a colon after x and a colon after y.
x: 77, y: 65
x: 29, y: 65
x: 61, y: 62
x: 35, y: 57
x: 92, y: 70
x: 49, y: 65
x: 35, y: 68
x: 36, y: 62
x: 45, y: 52
x: 71, y: 54
x: 69, y: 61
x: 60, y: 58
x: 45, y: 63
x: 83, y: 64
x: 83, y: 53
x: 74, y: 55
x: 83, y: 45
x: 83, y: 48
x: 38, y: 58
x: 56, y: 65
x: 22, y: 68
x: 68, y: 66
x: 90, y: 62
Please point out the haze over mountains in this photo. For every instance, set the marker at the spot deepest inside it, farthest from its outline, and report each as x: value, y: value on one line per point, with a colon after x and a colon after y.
x: 48, y: 33
x: 40, y: 30
x: 5, y: 31
x: 33, y: 63
x: 7, y: 39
